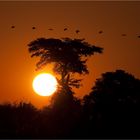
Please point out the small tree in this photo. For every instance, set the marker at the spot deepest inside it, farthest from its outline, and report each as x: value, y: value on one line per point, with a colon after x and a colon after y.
x: 69, y: 56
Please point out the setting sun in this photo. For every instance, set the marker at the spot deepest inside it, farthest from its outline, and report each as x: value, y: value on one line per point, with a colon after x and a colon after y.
x: 45, y: 84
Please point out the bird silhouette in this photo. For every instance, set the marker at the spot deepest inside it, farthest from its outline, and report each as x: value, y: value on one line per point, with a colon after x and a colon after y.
x: 33, y: 28
x: 100, y: 32
x: 77, y: 31
x: 123, y: 34
x: 65, y: 29
x: 12, y: 27
x: 50, y: 29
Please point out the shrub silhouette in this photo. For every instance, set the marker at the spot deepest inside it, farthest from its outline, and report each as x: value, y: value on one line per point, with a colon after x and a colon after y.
x: 16, y: 120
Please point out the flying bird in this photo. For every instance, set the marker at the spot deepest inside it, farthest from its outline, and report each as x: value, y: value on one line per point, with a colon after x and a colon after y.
x: 65, y: 29
x: 12, y: 27
x: 123, y: 34
x: 77, y: 31
x: 33, y: 28
x: 100, y: 32
x: 50, y: 29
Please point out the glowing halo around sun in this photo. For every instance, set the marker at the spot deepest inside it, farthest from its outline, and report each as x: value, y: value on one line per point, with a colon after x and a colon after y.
x: 45, y: 84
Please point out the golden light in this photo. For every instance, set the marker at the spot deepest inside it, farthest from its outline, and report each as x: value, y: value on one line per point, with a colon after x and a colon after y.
x: 45, y: 84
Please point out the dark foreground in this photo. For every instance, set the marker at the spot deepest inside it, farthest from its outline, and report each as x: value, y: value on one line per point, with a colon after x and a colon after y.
x: 111, y: 110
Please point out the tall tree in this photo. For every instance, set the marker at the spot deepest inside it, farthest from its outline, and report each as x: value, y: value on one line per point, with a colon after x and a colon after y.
x: 69, y: 56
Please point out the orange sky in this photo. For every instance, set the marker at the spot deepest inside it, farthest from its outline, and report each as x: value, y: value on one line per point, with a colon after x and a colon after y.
x: 17, y: 69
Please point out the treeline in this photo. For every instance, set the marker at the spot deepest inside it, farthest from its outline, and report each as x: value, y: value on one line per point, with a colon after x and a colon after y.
x: 110, y: 110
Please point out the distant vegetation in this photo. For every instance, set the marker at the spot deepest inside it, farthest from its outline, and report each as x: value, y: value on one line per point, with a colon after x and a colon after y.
x: 111, y: 110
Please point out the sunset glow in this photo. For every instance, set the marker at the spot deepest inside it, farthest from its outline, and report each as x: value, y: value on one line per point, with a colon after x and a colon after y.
x: 112, y: 25
x: 44, y: 84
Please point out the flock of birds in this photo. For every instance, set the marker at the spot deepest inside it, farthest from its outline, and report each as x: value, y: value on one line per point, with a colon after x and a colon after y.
x: 65, y: 29
x: 76, y: 31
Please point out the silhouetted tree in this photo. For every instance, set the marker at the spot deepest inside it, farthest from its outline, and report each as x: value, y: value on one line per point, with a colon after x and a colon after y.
x: 117, y: 87
x: 113, y: 105
x: 69, y: 56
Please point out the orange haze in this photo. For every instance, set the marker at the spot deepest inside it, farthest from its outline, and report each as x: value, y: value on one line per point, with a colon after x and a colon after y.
x: 113, y: 18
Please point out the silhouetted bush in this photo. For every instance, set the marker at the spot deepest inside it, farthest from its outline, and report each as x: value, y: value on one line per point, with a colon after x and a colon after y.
x: 16, y: 120
x: 23, y: 120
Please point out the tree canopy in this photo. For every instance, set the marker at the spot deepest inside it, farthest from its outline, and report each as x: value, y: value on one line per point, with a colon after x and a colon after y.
x: 112, y: 107
x: 117, y: 87
x: 68, y: 55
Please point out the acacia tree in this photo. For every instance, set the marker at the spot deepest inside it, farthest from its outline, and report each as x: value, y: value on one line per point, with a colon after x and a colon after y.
x: 69, y: 56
